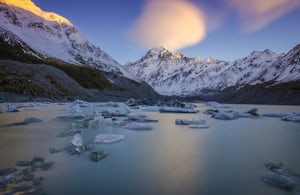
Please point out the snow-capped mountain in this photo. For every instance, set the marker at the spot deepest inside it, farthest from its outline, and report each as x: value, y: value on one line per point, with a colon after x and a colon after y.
x: 53, y: 36
x: 176, y: 74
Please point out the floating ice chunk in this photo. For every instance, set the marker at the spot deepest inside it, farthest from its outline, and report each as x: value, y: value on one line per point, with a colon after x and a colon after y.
x: 225, y: 116
x: 199, y: 126
x: 98, y: 155
x: 75, y: 109
x: 150, y: 108
x: 108, y: 104
x: 96, y: 121
x: 295, y: 117
x: 93, y: 115
x: 279, y: 181
x: 134, y: 116
x: 137, y: 126
x: 12, y: 108
x: 275, y: 115
x: 26, y: 121
x: 216, y: 105
x: 246, y: 115
x: 253, y: 112
x: 108, y: 138
x: 77, y: 140
x: 210, y: 112
x: 81, y: 103
x: 177, y: 110
x: 72, y: 116
x: 28, y: 104
x: 211, y: 103
x: 189, y: 122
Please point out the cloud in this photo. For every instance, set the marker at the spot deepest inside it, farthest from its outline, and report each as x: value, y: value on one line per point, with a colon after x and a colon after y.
x: 173, y: 24
x: 256, y: 14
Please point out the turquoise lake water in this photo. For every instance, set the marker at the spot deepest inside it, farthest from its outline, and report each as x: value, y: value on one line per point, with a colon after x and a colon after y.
x: 227, y: 158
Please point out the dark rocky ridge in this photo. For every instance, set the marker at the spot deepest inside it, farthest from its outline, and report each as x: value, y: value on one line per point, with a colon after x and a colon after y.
x: 27, y: 82
x: 25, y: 75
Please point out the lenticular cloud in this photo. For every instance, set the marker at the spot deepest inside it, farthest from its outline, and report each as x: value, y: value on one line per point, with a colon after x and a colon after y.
x: 171, y: 23
x: 257, y: 14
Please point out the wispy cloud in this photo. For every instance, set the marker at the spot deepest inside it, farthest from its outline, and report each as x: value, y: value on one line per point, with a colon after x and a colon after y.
x: 171, y: 23
x: 256, y: 14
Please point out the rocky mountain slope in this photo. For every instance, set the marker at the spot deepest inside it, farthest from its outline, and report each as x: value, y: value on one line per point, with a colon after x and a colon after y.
x: 26, y: 75
x: 43, y: 56
x: 211, y: 78
x: 53, y: 36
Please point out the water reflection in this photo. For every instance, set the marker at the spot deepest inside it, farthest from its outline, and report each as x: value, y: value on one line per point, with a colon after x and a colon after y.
x: 227, y: 158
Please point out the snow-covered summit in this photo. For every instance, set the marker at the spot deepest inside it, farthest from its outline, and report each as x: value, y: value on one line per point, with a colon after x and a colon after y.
x: 54, y: 36
x: 176, y: 74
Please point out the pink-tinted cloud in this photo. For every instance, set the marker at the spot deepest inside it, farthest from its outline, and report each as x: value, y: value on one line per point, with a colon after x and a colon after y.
x: 171, y: 23
x: 256, y: 14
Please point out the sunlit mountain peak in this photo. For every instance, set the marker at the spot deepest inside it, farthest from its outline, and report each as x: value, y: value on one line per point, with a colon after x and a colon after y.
x: 30, y: 6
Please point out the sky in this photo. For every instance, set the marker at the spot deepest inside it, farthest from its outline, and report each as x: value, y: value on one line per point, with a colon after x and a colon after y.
x: 227, y: 29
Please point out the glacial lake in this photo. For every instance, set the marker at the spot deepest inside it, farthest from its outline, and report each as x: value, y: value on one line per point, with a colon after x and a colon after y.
x: 226, y: 158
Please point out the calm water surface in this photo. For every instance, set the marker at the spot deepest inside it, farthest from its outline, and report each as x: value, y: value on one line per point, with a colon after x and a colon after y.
x: 227, y: 158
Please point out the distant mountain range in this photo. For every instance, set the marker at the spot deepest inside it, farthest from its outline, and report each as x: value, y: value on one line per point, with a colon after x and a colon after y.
x: 262, y: 73
x: 33, y: 37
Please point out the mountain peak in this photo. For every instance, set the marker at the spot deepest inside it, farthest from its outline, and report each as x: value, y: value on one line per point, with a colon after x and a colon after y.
x: 28, y: 5
x: 158, y: 50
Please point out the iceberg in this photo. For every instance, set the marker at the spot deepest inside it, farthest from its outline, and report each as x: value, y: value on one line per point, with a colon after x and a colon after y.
x: 93, y: 115
x: 74, y: 113
x: 150, y: 108
x: 96, y: 121
x: 216, y: 105
x: 279, y: 181
x: 77, y: 140
x: 225, y: 115
x: 199, y: 126
x: 275, y: 115
x: 98, y: 155
x: 177, y: 110
x: 108, y: 104
x: 189, y: 122
x: 210, y: 112
x: 12, y: 108
x: 135, y: 116
x: 137, y: 126
x: 294, y: 117
x: 26, y: 121
x: 108, y: 138
x: 81, y: 103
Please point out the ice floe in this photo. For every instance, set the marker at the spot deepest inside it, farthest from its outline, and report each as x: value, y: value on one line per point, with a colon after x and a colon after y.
x: 189, y: 122
x: 81, y: 103
x: 216, y: 105
x: 137, y: 126
x: 150, y: 108
x: 108, y: 104
x: 108, y: 138
x: 77, y: 140
x: 96, y: 121
x: 294, y: 117
x: 26, y: 121
x: 225, y: 115
x: 274, y: 114
x: 12, y: 108
x: 281, y: 177
x: 177, y: 110
x: 204, y: 126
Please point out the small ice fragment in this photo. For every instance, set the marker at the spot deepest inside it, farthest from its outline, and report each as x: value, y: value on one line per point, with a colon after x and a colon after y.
x: 77, y: 140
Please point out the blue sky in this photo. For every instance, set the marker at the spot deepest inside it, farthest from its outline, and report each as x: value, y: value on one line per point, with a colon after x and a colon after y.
x: 108, y: 24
